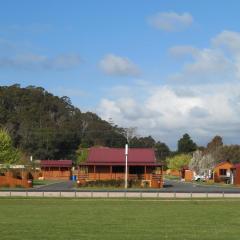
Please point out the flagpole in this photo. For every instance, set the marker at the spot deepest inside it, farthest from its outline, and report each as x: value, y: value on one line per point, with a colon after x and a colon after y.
x: 126, y: 166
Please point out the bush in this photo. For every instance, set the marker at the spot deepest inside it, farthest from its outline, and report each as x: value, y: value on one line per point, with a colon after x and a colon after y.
x: 105, y: 183
x: 134, y: 183
x: 113, y: 183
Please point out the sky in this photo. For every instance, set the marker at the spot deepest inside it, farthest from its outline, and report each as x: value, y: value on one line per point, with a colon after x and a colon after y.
x: 165, y: 67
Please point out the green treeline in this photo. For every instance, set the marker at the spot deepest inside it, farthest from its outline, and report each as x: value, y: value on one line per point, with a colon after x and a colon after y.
x: 50, y: 127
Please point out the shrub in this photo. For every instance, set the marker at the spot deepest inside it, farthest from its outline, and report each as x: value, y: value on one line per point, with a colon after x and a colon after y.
x: 112, y: 183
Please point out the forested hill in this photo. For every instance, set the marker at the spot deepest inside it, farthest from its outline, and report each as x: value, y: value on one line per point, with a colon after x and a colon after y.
x: 50, y: 127
x: 47, y: 126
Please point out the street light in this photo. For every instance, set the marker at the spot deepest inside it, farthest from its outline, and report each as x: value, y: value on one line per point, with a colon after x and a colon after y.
x: 126, y: 166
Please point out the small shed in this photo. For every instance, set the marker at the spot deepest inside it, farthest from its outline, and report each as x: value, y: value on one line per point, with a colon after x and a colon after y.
x: 236, y: 174
x: 188, y: 175
x: 222, y: 172
x: 56, y: 169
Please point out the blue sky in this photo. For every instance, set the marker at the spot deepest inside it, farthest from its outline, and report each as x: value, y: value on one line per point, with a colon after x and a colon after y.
x: 166, y: 67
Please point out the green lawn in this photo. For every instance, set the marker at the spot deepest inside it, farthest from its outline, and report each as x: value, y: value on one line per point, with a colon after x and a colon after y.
x: 37, y: 182
x: 71, y: 219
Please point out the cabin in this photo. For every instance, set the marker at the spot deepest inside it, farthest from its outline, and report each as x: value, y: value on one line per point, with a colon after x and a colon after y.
x: 235, y: 179
x: 15, y: 176
x: 55, y: 169
x: 105, y: 163
x: 222, y: 172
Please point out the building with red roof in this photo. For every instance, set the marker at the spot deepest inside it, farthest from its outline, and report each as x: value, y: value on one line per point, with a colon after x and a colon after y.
x: 56, y: 169
x: 105, y: 163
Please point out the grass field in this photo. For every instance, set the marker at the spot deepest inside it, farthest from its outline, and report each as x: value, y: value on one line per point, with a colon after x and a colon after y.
x: 44, y: 182
x: 71, y: 219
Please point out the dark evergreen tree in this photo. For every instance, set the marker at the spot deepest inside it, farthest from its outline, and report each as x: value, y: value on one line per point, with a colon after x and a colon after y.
x: 162, y: 151
x: 186, y: 144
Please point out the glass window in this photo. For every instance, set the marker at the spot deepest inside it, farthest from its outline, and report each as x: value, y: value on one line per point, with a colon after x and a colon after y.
x: 223, y: 172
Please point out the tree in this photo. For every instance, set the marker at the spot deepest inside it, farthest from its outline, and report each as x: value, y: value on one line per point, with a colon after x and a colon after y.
x: 195, y: 163
x: 179, y: 161
x: 186, y: 144
x: 8, y: 154
x: 49, y: 127
x: 228, y: 152
x: 202, y: 162
x: 162, y: 151
x: 81, y: 155
x: 142, y: 142
x: 215, y: 144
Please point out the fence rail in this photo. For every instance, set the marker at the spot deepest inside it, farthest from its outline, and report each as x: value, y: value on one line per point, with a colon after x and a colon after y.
x: 123, y: 194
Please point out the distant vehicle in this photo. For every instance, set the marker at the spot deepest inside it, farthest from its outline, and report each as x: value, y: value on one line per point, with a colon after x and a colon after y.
x: 199, y: 178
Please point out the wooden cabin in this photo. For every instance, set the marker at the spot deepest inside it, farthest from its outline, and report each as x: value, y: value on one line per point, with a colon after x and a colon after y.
x: 222, y: 172
x: 235, y: 179
x: 15, y: 178
x: 56, y: 169
x: 109, y: 164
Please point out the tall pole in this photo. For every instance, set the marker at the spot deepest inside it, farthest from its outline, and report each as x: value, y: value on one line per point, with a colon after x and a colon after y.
x: 126, y: 166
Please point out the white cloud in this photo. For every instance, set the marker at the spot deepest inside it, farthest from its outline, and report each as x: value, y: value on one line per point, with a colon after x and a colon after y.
x: 181, y: 51
x: 118, y: 66
x: 171, y: 21
x: 228, y: 39
x: 21, y: 56
x: 31, y: 61
x: 205, y: 102
x: 165, y: 115
x: 217, y: 63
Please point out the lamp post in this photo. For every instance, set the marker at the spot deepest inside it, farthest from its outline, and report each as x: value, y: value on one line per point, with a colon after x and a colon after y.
x: 126, y: 166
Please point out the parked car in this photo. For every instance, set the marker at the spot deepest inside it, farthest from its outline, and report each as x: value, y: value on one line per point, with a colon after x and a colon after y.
x: 199, y: 178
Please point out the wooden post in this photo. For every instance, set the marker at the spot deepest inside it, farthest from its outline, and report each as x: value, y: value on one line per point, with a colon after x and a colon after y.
x: 111, y: 171
x: 94, y: 170
x: 145, y: 172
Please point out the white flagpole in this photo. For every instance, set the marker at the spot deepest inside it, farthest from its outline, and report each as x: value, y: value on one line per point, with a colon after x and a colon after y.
x: 126, y: 166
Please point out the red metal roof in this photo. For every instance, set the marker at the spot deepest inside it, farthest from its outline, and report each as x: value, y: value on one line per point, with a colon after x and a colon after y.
x: 56, y: 163
x: 116, y: 156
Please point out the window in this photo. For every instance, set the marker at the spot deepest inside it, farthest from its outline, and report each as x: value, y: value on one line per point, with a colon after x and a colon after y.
x: 223, y: 172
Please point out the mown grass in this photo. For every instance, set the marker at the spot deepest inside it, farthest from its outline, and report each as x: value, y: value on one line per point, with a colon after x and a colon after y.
x: 118, y: 219
x: 170, y: 177
x: 37, y: 182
